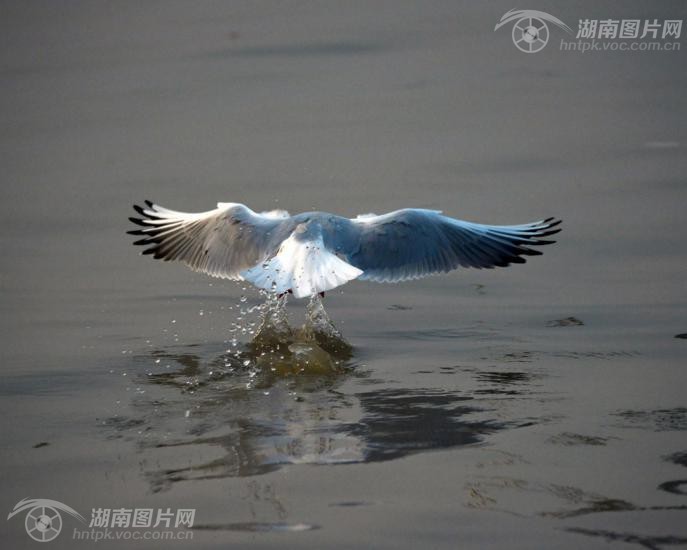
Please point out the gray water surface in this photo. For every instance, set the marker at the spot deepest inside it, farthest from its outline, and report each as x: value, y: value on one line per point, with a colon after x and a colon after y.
x: 537, y: 406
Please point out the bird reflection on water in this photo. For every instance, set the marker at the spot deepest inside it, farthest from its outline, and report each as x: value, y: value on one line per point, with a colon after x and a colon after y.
x: 289, y: 396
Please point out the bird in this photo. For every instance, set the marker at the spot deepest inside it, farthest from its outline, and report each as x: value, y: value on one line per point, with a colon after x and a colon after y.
x: 313, y: 252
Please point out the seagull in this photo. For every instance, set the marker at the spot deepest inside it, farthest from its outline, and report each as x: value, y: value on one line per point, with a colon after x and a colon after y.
x: 313, y: 252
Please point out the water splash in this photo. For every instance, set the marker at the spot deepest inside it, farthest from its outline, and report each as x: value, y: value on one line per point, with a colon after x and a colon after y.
x: 316, y: 347
x: 274, y: 331
x: 319, y: 327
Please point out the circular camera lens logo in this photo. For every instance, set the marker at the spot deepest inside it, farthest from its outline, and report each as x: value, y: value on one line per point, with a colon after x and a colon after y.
x: 530, y: 34
x: 530, y: 31
x: 43, y: 521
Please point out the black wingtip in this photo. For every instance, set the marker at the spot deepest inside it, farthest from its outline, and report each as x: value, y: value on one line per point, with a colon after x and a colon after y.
x: 547, y: 233
x: 139, y: 222
x: 551, y: 228
x: 529, y: 251
x: 147, y: 241
x: 149, y: 203
x: 145, y: 214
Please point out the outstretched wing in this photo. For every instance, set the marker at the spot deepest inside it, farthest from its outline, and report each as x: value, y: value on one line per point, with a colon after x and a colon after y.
x: 222, y: 242
x: 414, y: 243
